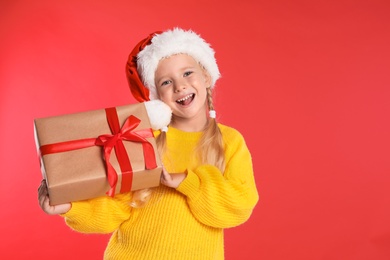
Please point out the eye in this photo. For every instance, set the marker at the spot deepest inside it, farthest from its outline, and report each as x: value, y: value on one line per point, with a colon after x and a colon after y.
x: 187, y: 73
x: 166, y: 82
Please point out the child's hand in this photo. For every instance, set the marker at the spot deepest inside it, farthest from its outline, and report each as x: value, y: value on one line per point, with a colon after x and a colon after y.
x: 43, y: 198
x: 172, y: 180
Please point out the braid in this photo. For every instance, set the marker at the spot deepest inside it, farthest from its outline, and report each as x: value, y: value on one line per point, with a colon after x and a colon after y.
x: 210, y: 146
x: 210, y: 99
x: 140, y: 197
x: 161, y: 142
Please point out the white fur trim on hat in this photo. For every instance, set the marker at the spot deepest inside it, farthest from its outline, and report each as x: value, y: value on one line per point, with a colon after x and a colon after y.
x: 173, y: 42
x: 159, y: 114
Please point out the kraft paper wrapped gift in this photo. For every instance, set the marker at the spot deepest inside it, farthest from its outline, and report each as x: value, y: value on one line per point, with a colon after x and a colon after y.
x: 82, y: 154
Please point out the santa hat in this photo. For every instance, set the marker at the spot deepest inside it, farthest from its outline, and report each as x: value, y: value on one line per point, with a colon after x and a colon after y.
x: 143, y: 60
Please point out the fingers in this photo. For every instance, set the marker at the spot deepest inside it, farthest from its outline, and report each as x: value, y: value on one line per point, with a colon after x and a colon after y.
x: 44, y: 204
x: 165, y: 175
x: 172, y: 180
x: 44, y: 201
x: 42, y: 189
x: 43, y: 196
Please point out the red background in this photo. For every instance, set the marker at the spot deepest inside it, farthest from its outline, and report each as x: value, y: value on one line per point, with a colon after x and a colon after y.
x: 306, y: 82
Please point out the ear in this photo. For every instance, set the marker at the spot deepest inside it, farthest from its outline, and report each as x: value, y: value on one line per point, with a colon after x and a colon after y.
x: 207, y: 78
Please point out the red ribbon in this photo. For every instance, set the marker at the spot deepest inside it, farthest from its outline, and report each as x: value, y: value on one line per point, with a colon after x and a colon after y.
x: 113, y: 141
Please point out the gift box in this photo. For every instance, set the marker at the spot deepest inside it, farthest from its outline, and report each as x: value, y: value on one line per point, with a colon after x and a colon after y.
x: 97, y: 153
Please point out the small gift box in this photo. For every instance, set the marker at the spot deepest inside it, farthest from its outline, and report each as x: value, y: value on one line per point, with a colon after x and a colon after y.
x: 95, y: 153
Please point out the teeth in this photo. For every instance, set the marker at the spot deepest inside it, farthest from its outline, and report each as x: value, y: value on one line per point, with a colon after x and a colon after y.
x: 184, y: 98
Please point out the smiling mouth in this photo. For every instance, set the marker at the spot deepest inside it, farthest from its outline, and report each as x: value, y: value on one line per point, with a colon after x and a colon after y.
x: 186, y: 100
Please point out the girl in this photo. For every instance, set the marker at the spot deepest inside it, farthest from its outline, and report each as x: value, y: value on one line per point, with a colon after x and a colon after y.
x: 207, y: 181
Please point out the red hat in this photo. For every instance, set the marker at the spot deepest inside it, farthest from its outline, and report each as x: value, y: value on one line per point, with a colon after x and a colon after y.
x: 137, y: 88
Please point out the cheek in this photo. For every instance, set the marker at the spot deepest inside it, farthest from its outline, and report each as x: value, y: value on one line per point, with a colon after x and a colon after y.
x: 163, y: 96
x: 168, y: 101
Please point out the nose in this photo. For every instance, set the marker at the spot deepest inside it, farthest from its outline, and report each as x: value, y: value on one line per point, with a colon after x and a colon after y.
x: 179, y: 85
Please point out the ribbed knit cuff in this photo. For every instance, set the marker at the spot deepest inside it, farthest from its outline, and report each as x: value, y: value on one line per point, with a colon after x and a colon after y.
x: 190, y: 185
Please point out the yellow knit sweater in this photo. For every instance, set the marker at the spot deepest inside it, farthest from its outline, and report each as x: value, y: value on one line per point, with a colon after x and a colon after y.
x: 186, y: 223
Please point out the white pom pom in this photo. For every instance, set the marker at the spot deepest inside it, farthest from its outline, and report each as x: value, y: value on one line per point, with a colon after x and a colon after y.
x: 159, y: 113
x: 212, y: 113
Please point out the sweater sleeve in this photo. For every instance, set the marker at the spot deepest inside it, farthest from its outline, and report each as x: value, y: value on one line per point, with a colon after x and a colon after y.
x: 226, y: 199
x: 99, y: 215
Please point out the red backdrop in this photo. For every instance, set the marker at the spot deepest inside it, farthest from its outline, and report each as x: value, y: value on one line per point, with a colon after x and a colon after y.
x: 306, y: 82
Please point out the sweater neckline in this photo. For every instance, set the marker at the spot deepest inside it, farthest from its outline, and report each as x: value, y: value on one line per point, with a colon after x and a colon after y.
x: 176, y: 131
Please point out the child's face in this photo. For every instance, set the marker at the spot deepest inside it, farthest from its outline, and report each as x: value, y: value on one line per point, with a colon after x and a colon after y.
x: 182, y: 84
